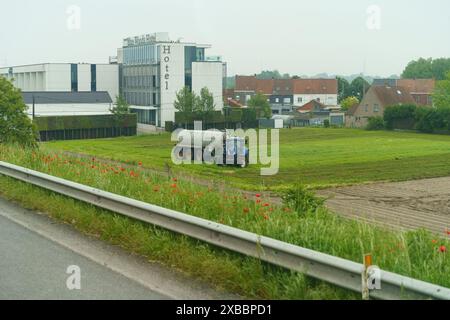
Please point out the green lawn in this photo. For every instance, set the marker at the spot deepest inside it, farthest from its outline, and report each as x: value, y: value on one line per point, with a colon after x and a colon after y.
x: 319, y: 157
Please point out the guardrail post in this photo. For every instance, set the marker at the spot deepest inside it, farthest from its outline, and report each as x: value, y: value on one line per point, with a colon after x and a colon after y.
x: 365, y: 278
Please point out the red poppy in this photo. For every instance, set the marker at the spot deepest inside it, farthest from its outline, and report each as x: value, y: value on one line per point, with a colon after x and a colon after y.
x: 448, y: 232
x: 266, y: 205
x: 443, y: 249
x: 174, y: 179
x: 266, y: 217
x: 258, y: 201
x: 140, y: 164
x: 174, y: 185
x: 434, y: 241
x: 258, y: 195
x: 246, y: 210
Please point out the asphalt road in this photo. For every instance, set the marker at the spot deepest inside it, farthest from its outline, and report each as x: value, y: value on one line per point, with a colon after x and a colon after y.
x: 33, y: 267
x: 36, y: 252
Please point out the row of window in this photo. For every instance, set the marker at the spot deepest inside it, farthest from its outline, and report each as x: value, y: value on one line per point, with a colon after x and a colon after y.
x: 375, y: 109
x: 140, y: 82
x: 147, y: 54
x: 141, y: 98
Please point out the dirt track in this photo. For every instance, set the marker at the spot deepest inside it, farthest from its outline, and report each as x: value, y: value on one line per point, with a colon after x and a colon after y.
x: 405, y: 205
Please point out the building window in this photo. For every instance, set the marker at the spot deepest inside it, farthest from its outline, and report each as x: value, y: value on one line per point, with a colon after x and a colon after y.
x: 299, y: 99
x: 93, y: 77
x: 277, y: 100
x: 287, y: 100
x: 366, y: 108
x: 376, y: 108
x: 74, y: 77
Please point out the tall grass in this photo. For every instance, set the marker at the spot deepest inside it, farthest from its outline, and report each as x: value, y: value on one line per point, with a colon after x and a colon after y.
x: 416, y: 254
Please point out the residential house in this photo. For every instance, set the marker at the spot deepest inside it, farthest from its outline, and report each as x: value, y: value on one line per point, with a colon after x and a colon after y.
x: 374, y: 103
x: 286, y: 94
x: 420, y: 89
x: 324, y: 91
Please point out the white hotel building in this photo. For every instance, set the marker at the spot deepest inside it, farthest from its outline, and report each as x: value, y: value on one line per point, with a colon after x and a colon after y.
x: 153, y: 69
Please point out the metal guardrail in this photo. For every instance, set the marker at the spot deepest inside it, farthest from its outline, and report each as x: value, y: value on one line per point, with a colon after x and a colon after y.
x: 334, y: 270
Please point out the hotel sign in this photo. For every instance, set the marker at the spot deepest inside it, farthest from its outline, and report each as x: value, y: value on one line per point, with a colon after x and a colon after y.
x: 165, y: 66
x: 139, y: 40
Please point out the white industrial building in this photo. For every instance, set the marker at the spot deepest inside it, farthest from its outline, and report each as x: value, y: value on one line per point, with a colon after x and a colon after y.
x: 154, y: 69
x: 47, y: 104
x: 65, y: 77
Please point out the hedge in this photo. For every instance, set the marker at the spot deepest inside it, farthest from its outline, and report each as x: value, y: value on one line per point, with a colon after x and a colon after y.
x: 84, y: 122
x: 424, y: 119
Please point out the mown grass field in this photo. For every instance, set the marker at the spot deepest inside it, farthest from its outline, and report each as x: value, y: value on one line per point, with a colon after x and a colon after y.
x: 318, y: 157
x: 417, y: 254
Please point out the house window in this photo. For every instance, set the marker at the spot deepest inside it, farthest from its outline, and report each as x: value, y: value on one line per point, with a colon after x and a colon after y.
x: 277, y: 100
x: 376, y: 108
x: 299, y: 99
x: 287, y: 100
x: 366, y: 108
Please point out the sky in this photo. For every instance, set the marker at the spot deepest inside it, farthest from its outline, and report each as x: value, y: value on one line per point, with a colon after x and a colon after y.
x: 374, y: 37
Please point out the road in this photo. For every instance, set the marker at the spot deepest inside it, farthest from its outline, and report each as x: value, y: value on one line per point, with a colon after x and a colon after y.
x: 35, y: 253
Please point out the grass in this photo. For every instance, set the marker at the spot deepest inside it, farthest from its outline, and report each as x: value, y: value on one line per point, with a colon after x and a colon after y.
x: 416, y: 254
x: 318, y: 157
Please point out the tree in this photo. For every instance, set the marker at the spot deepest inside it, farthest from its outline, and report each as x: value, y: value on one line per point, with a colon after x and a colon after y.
x: 344, y: 89
x: 119, y: 110
x: 204, y: 104
x: 15, y: 125
x: 359, y: 87
x: 121, y: 106
x: 349, y: 102
x: 185, y: 100
x: 427, y: 69
x: 261, y: 105
x: 441, y: 94
x: 275, y: 74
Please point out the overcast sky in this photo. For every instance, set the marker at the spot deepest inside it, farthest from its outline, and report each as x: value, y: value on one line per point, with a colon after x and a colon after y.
x: 294, y: 36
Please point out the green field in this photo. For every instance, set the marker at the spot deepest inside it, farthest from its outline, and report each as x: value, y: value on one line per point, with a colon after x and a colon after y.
x: 319, y: 157
x: 418, y: 254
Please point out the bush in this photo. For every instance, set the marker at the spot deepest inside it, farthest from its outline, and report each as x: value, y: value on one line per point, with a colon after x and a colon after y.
x: 326, y: 123
x: 301, y: 199
x: 375, y: 123
x: 400, y: 114
x: 430, y: 120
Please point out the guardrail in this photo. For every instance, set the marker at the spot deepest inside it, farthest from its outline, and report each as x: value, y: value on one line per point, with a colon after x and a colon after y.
x: 334, y: 270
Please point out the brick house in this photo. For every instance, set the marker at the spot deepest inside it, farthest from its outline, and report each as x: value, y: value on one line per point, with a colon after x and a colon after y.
x: 374, y: 103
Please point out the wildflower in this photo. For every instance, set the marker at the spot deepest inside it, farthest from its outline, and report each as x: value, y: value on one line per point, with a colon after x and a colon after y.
x: 246, y: 210
x: 443, y: 249
x: 258, y: 201
x: 174, y: 179
x: 258, y: 195
x: 447, y: 232
x: 173, y: 185
x: 434, y: 241
x: 140, y: 164
x: 266, y: 217
x: 122, y: 169
x: 266, y: 205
